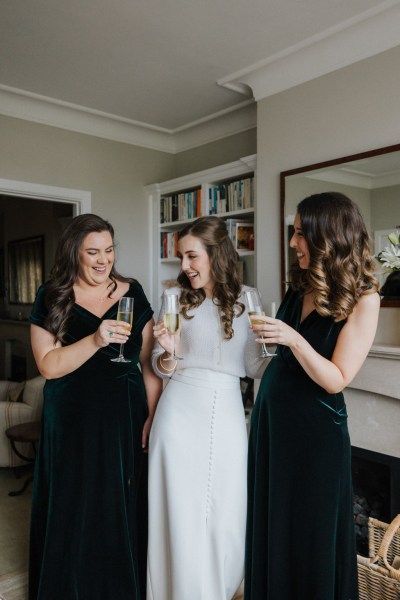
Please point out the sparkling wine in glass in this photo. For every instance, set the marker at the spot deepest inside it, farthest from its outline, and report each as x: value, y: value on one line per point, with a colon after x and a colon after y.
x: 171, y: 320
x: 125, y: 314
x: 254, y: 308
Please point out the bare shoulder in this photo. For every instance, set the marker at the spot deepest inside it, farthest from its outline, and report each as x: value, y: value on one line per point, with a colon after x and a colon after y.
x: 367, y: 305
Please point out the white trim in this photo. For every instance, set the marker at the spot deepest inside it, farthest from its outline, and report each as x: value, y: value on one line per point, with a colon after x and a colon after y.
x: 370, y: 33
x: 80, y: 198
x: 72, y: 117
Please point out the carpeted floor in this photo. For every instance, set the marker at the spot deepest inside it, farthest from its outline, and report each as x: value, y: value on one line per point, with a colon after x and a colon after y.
x: 14, y: 536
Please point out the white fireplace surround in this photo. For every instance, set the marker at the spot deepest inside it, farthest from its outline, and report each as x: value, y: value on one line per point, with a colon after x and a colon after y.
x: 373, y: 402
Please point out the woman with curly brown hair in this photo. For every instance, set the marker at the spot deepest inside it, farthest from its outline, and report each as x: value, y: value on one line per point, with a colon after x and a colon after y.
x: 198, y: 443
x: 300, y: 533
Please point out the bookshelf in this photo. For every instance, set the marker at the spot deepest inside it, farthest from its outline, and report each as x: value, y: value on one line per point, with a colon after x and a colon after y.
x: 227, y: 191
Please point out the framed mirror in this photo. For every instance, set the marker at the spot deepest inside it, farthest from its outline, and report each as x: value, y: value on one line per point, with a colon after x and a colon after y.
x: 371, y: 179
x: 25, y: 269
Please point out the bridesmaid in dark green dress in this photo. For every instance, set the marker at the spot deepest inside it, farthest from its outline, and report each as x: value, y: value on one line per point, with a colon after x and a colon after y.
x: 89, y: 510
x: 300, y: 541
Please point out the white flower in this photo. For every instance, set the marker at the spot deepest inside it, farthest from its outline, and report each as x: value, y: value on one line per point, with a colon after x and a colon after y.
x: 390, y: 255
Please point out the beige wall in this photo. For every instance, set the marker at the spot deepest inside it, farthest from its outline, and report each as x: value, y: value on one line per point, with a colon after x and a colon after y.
x: 351, y: 110
x: 113, y: 172
x: 217, y: 153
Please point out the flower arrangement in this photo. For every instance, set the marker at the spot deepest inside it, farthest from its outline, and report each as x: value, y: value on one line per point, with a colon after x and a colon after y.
x: 389, y: 257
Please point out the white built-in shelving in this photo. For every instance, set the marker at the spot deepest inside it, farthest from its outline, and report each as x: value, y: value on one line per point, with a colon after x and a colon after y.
x: 227, y: 191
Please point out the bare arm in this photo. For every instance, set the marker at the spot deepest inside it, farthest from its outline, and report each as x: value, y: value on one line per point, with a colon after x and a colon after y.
x: 352, y: 347
x: 54, y: 360
x: 152, y: 383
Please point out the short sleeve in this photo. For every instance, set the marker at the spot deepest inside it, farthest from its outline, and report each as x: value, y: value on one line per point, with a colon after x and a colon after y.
x: 39, y: 311
x: 142, y: 310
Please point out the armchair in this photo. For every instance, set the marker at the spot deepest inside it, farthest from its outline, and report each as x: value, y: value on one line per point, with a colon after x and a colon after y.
x: 19, y: 403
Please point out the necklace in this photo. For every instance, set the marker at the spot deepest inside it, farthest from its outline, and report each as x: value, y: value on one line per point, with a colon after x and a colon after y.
x: 102, y: 298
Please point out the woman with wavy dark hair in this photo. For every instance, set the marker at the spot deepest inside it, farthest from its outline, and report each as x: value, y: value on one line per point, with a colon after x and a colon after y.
x: 198, y: 443
x: 300, y: 531
x: 88, y: 526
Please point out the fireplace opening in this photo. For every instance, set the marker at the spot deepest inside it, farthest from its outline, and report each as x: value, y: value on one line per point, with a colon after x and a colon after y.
x: 376, y: 491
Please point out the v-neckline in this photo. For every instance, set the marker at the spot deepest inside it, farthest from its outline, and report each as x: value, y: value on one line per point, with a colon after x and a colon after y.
x: 302, y: 321
x: 94, y: 314
x: 108, y: 309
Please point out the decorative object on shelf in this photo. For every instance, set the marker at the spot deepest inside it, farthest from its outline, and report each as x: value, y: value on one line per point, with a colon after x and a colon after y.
x: 389, y: 257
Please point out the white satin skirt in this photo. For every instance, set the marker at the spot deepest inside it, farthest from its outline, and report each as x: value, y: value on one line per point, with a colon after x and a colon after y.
x: 197, y: 489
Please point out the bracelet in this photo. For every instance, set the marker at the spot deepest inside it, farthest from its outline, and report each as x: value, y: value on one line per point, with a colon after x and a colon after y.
x: 165, y: 368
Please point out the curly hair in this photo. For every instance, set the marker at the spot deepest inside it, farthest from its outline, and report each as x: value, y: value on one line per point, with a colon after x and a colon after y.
x: 59, y: 295
x: 213, y: 234
x: 341, y: 268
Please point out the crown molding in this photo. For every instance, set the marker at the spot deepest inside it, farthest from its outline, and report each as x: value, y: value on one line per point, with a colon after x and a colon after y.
x: 370, y: 33
x: 345, y: 176
x: 48, y: 111
x: 235, y: 120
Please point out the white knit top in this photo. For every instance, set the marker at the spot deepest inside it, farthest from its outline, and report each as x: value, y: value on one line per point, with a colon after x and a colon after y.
x: 202, y: 343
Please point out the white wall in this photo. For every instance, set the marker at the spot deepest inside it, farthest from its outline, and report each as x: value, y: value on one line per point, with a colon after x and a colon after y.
x: 349, y: 111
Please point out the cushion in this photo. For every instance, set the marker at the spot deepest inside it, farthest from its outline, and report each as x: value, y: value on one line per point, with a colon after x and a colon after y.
x: 15, y: 392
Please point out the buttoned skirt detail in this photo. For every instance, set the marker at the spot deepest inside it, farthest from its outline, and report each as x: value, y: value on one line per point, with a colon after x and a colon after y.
x: 197, y: 489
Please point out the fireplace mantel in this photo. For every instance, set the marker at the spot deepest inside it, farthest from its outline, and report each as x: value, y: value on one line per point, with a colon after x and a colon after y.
x: 373, y: 402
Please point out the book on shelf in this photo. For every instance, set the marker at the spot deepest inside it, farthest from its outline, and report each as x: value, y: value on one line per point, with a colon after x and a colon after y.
x: 168, y: 244
x: 211, y: 200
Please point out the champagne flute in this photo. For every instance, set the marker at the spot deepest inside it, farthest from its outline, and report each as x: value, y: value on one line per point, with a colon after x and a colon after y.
x: 171, y: 320
x: 254, y: 308
x: 125, y: 314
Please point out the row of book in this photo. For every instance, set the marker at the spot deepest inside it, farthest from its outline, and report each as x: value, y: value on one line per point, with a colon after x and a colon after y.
x: 209, y: 200
x: 240, y: 232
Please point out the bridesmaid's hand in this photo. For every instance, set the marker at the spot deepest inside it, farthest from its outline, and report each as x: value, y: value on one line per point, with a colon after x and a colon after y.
x: 111, y: 332
x: 273, y: 331
x: 160, y: 333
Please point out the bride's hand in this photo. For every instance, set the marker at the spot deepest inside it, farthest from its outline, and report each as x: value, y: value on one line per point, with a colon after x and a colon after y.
x: 160, y: 333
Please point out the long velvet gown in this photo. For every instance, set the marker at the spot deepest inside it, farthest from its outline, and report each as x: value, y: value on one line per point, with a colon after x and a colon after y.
x: 89, y: 511
x: 300, y: 541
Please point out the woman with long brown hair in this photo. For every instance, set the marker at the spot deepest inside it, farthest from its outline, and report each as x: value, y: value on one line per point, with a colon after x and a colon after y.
x: 300, y: 531
x: 89, y: 507
x: 198, y: 444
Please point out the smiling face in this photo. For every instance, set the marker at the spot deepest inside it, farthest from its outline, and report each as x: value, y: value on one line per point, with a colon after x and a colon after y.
x: 96, y: 258
x: 195, y: 263
x: 299, y: 244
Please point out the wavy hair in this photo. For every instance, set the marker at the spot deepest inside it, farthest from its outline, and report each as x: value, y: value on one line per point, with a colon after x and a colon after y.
x: 213, y: 234
x: 341, y: 268
x: 59, y: 295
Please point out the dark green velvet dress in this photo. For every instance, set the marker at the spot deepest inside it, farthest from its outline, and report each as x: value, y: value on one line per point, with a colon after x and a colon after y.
x: 89, y: 510
x: 300, y: 542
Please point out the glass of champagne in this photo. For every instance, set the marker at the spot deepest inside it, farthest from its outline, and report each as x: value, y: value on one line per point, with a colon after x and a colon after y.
x: 125, y: 314
x: 254, y: 308
x: 171, y: 320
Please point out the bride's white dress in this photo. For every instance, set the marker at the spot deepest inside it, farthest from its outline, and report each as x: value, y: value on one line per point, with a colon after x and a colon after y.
x: 198, y: 464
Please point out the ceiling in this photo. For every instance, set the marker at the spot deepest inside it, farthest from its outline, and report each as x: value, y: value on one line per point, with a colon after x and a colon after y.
x: 163, y: 67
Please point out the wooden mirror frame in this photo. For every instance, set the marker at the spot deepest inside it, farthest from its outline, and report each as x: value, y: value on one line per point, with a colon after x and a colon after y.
x: 321, y: 165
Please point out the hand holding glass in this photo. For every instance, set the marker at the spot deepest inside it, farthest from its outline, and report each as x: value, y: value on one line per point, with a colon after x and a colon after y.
x: 172, y: 320
x: 125, y: 313
x: 254, y: 308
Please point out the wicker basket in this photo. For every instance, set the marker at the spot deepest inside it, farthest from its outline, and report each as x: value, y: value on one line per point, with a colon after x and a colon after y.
x: 379, y: 575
